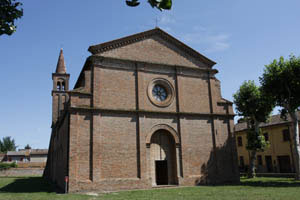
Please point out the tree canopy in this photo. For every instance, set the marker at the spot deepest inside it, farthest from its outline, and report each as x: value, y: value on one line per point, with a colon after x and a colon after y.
x: 255, y: 108
x: 281, y: 82
x: 7, y: 144
x: 159, y: 4
x: 251, y: 103
x: 27, y: 146
x: 9, y: 13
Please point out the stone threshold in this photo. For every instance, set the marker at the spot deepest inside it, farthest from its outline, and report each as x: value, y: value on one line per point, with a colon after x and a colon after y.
x: 165, y: 186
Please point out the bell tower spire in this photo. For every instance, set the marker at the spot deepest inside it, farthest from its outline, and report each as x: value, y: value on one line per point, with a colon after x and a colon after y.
x: 60, y: 87
x: 61, y: 66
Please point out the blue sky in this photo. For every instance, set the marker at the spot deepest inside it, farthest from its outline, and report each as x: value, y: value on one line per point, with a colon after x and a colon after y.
x: 241, y: 36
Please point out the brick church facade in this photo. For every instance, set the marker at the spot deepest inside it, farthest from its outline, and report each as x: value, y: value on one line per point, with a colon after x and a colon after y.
x: 145, y: 111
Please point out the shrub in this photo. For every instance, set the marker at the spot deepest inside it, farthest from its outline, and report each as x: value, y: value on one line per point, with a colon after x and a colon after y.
x: 5, y: 166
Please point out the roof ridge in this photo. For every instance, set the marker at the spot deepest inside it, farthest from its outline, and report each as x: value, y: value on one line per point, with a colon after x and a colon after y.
x: 274, y: 120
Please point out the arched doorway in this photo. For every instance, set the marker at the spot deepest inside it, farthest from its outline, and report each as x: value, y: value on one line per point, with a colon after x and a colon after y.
x: 163, y: 161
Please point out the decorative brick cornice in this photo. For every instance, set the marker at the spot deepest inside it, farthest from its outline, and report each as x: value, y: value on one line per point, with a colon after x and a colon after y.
x: 96, y: 59
x: 96, y: 109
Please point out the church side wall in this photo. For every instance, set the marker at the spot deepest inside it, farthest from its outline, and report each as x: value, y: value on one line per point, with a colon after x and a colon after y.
x: 80, y: 149
x: 58, y: 152
x: 55, y: 99
x: 80, y: 100
x: 217, y: 98
x: 62, y: 159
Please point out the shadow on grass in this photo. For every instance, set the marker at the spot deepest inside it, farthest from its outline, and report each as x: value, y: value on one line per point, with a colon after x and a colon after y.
x: 28, y: 185
x: 270, y: 183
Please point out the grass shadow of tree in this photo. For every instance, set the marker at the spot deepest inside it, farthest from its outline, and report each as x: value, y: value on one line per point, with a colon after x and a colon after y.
x: 216, y: 171
x: 28, y: 185
x: 274, y: 182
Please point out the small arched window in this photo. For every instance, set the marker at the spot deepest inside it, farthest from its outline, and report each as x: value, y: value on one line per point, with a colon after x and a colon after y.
x: 63, y: 85
x: 58, y: 87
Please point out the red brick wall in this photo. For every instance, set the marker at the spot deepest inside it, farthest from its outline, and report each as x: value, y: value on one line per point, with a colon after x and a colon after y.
x: 79, y: 164
x: 56, y: 168
x: 196, y: 142
x: 108, y: 140
x: 193, y: 95
x: 118, y: 148
x: 115, y: 89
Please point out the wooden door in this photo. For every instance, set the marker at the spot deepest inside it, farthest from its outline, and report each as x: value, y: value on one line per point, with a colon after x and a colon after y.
x: 269, y: 163
x: 284, y: 164
x: 161, y: 168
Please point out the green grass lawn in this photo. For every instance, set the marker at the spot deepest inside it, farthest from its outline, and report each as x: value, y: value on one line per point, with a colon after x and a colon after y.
x: 33, y: 188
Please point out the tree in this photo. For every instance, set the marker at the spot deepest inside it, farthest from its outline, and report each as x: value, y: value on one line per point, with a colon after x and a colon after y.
x: 27, y: 146
x: 255, y: 107
x: 7, y: 144
x: 159, y: 4
x: 9, y: 12
x: 281, y: 81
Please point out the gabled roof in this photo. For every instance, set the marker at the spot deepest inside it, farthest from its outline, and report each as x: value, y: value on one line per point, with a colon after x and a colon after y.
x: 39, y: 151
x: 274, y: 120
x: 114, y: 44
x: 27, y: 152
x: 16, y: 153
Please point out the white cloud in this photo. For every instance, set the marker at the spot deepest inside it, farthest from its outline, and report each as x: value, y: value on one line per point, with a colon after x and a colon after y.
x: 202, y: 37
x: 199, y: 28
x: 210, y: 41
x: 166, y: 19
x: 167, y: 29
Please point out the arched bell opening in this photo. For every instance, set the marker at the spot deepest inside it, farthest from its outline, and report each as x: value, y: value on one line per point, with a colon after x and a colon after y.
x: 63, y: 86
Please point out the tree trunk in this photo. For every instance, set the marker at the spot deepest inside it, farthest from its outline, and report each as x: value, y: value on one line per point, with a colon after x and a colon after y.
x: 296, y: 146
x: 251, y: 172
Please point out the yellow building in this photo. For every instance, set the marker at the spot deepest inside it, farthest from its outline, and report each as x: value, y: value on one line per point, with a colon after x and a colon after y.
x: 278, y: 158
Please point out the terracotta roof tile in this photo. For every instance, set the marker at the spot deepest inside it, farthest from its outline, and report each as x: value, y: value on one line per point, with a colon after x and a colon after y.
x: 274, y: 120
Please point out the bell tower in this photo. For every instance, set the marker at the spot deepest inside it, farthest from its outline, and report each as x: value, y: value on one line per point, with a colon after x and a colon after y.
x: 60, y: 87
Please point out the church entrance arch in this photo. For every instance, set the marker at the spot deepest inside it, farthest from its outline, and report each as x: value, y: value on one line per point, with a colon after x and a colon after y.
x: 163, y: 161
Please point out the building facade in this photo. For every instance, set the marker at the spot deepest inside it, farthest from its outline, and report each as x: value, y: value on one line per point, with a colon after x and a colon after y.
x: 145, y: 111
x: 27, y: 155
x: 278, y: 157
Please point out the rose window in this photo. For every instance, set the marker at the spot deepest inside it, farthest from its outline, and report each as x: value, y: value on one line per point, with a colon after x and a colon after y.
x: 159, y: 93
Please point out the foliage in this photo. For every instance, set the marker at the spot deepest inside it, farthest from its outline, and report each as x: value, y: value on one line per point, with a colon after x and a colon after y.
x: 255, y: 107
x: 281, y: 80
x: 4, y: 166
x: 9, y: 12
x: 256, y: 141
x: 159, y: 4
x: 251, y: 103
x: 27, y: 146
x: 7, y: 144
